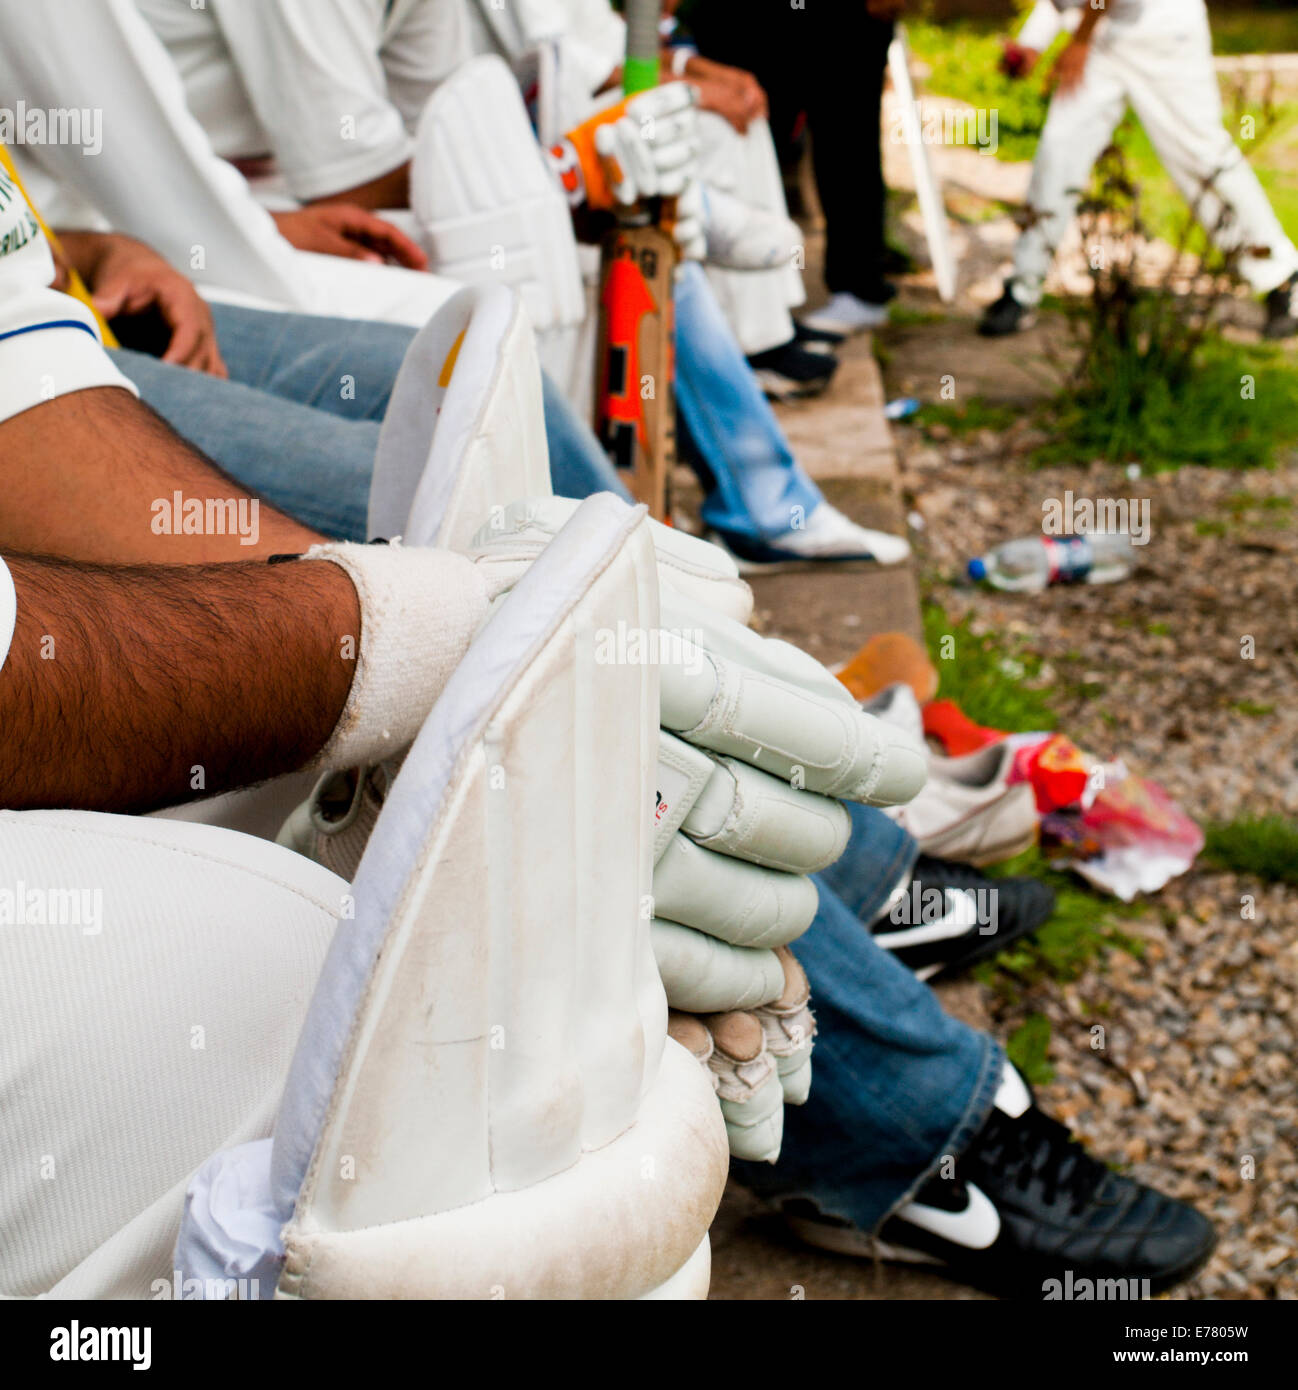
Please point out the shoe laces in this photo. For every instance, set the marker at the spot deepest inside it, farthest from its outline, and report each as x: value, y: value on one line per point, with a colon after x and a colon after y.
x: 1032, y: 1148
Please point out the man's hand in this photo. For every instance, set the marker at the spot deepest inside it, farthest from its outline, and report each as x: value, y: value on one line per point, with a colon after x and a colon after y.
x: 126, y: 278
x: 342, y: 229
x: 1070, y: 66
x: 729, y: 92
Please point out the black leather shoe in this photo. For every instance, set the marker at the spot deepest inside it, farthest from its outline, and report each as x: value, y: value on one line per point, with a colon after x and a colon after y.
x: 1282, y: 311
x: 1006, y: 316
x: 1029, y: 1214
x: 951, y: 917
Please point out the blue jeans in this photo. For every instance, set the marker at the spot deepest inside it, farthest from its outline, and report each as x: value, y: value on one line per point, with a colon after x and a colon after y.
x: 726, y: 430
x: 283, y: 427
x: 897, y: 1084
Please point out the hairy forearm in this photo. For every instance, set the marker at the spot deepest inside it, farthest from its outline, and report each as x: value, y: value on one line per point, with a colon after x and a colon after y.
x: 96, y: 476
x: 130, y: 689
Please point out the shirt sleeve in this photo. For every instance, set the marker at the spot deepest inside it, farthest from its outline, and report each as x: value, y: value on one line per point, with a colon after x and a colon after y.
x: 49, y: 342
x: 314, y: 76
x: 155, y: 175
x: 420, y: 53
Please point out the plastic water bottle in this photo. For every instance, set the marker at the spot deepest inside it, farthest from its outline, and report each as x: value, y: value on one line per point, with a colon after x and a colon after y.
x: 1029, y: 565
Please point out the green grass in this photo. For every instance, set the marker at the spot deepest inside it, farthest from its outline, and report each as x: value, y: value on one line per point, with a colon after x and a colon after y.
x: 964, y: 62
x: 976, y: 413
x: 1250, y: 709
x: 992, y: 682
x: 1264, y: 846
x: 1084, y: 929
x: 903, y: 316
x: 1028, y: 1047
x: 1254, y: 31
x: 1133, y: 412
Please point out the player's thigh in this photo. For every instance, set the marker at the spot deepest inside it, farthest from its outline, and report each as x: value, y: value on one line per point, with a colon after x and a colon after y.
x: 153, y: 979
x: 1177, y: 98
x: 346, y: 367
x: 1078, y: 128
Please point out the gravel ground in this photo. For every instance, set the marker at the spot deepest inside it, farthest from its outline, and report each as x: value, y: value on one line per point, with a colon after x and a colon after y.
x: 1193, y: 1089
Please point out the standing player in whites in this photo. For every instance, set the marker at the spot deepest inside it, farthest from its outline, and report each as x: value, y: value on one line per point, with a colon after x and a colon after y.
x: 1156, y: 56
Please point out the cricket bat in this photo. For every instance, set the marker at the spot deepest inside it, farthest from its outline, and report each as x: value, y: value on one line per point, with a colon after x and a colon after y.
x: 635, y: 359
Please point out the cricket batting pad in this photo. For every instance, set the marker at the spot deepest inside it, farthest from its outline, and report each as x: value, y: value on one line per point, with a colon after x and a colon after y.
x: 464, y: 432
x: 484, y: 1067
x: 488, y: 207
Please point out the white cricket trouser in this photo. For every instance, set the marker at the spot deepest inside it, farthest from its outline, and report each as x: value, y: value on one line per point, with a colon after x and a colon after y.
x: 1168, y: 79
x: 139, y: 1036
x: 756, y: 302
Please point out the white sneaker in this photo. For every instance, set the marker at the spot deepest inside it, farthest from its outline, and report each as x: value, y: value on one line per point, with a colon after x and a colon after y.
x: 743, y: 237
x: 846, y: 314
x: 826, y: 537
x: 968, y: 811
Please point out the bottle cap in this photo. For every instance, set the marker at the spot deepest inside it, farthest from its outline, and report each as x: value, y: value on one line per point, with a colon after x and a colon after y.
x: 978, y: 569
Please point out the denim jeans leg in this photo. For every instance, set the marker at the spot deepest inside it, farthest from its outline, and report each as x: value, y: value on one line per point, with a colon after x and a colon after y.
x: 307, y: 462
x: 897, y: 1084
x: 298, y: 421
x: 728, y: 432
x: 879, y: 852
x: 345, y: 367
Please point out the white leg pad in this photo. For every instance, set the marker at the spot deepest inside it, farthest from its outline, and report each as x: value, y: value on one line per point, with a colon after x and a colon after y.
x: 465, y: 430
x: 482, y: 1099
x: 488, y: 207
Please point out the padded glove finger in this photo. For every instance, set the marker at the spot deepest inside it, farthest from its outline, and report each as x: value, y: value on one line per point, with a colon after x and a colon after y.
x: 689, y: 229
x: 789, y: 1027
x: 738, y: 903
x: 821, y: 742
x: 752, y: 1099
x: 704, y: 975
x: 751, y: 815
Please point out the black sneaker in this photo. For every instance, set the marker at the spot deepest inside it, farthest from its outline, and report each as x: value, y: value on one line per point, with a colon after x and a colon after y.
x: 1282, y: 311
x: 1029, y: 1214
x: 1006, y: 316
x: 817, y: 339
x: 949, y: 916
x: 791, y: 372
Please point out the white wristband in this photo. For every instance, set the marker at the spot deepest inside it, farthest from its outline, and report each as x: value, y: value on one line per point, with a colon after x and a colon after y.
x: 8, y: 610
x: 681, y: 59
x: 420, y: 609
